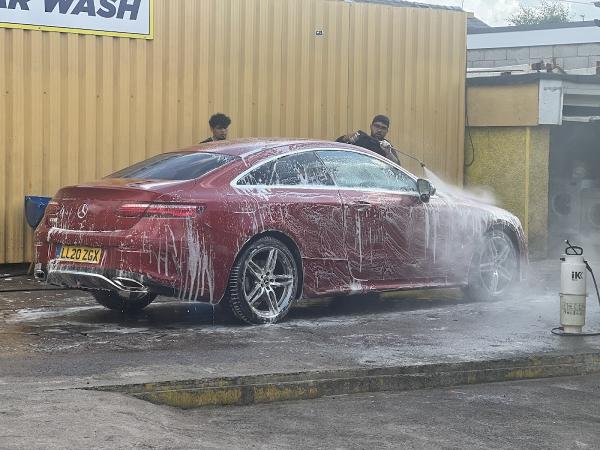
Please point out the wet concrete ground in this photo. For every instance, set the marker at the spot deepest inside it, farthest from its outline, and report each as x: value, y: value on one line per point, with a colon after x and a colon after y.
x: 561, y: 413
x: 52, y: 342
x: 64, y: 338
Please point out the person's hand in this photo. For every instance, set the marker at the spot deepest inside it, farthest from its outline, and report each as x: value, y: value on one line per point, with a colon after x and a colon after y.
x: 388, y: 150
x: 352, y: 137
x: 385, y: 146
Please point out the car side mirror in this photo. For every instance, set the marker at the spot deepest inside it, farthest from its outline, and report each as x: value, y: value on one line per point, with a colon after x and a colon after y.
x: 426, y: 190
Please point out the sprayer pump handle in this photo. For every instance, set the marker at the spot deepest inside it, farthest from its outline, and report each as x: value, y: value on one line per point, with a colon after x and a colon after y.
x: 573, y: 250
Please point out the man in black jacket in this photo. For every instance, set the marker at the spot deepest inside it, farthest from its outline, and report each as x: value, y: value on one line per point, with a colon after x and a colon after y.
x: 219, y: 125
x: 376, y: 141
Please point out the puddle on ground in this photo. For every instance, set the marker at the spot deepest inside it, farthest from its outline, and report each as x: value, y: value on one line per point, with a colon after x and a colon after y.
x: 29, y: 315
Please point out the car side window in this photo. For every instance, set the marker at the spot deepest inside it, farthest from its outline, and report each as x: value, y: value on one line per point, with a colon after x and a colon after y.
x: 260, y: 176
x: 356, y: 170
x: 295, y: 170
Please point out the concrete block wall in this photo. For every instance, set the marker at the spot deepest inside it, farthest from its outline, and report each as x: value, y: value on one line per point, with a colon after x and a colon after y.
x: 577, y: 56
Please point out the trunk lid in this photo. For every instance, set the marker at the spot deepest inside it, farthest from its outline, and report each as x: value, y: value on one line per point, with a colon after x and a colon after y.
x: 94, y: 206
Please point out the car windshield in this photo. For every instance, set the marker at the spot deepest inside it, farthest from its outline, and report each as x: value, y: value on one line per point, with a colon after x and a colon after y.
x: 174, y: 166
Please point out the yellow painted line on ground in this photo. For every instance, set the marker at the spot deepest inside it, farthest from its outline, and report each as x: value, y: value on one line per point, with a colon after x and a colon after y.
x: 271, y: 388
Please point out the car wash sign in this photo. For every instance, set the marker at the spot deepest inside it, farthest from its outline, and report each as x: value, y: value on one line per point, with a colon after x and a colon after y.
x: 122, y: 18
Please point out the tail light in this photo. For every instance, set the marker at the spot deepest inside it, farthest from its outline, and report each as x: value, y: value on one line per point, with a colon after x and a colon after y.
x: 164, y: 211
x: 51, y: 213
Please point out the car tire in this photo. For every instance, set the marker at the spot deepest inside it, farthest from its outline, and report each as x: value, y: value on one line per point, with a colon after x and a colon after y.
x: 264, y: 282
x: 494, y: 271
x: 115, y: 302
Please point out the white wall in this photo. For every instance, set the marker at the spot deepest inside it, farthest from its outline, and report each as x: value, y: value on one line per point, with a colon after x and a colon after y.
x: 534, y: 38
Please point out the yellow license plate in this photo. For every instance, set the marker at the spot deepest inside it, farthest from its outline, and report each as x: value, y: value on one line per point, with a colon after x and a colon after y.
x: 80, y: 254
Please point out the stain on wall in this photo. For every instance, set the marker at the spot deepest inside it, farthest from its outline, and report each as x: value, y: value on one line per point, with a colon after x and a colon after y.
x: 512, y: 162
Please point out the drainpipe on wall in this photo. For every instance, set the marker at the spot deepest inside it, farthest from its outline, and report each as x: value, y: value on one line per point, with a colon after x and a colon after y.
x: 597, y: 67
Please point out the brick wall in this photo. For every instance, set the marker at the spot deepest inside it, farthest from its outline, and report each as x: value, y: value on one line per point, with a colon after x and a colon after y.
x: 579, y: 56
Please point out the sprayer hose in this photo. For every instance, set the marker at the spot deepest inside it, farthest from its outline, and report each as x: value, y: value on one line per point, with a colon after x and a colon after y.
x: 593, y: 278
x: 559, y: 331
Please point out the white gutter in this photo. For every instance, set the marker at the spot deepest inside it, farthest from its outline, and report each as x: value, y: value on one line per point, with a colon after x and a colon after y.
x: 581, y: 119
x: 534, y: 38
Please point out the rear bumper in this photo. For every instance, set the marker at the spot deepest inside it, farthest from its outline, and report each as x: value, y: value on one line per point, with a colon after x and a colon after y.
x: 152, y: 260
x: 90, y: 280
x: 98, y: 279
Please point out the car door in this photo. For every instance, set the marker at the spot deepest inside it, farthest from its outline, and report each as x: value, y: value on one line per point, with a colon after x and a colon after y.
x: 296, y: 195
x: 381, y: 216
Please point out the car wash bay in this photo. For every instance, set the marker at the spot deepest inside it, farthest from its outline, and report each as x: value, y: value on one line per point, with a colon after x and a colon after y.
x: 574, y: 190
x: 534, y: 141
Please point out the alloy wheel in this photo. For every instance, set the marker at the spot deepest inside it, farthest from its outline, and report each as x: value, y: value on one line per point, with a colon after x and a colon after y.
x: 498, y: 264
x: 268, y: 281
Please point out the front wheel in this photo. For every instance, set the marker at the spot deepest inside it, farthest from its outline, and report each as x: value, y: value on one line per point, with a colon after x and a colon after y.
x: 114, y: 301
x: 494, y: 270
x: 263, y: 282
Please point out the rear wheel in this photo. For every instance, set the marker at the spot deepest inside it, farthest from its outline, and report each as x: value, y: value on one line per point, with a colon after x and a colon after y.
x: 263, y: 282
x: 124, y: 304
x: 494, y: 269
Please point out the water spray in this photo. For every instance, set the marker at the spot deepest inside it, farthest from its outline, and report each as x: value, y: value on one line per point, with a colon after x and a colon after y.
x: 573, y: 292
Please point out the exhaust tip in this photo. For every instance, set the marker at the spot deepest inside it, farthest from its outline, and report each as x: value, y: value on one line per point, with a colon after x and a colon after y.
x: 129, y: 285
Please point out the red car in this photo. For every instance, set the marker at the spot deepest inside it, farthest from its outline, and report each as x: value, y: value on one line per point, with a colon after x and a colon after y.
x: 261, y: 224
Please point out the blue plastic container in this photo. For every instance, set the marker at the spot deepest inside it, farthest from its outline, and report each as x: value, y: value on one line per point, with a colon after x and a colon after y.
x: 35, y: 207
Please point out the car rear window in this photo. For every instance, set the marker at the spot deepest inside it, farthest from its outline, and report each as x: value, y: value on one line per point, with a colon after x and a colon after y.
x: 174, y: 166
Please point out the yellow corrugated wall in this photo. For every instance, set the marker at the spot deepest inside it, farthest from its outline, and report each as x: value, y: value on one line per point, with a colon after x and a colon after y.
x: 77, y: 107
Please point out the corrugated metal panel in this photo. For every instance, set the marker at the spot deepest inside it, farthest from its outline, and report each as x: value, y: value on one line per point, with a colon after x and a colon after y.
x: 75, y: 108
x: 409, y: 63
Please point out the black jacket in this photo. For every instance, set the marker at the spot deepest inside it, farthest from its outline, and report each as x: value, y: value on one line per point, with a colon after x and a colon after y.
x: 366, y: 141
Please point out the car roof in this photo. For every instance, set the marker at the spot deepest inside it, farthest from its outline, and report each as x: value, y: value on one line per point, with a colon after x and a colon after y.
x: 246, y: 147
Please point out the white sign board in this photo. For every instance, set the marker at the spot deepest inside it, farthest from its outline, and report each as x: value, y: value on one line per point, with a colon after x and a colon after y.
x: 122, y: 18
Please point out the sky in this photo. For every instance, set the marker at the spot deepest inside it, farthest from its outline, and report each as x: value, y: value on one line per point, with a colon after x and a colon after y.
x: 495, y: 12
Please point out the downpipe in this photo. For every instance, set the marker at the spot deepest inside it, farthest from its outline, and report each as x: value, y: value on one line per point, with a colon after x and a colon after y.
x: 573, y: 292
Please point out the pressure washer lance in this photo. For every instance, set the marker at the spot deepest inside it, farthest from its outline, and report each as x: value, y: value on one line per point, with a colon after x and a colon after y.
x: 394, y: 149
x: 573, y: 292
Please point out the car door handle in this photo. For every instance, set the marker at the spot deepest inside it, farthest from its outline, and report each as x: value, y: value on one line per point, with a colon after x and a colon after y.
x: 361, y: 204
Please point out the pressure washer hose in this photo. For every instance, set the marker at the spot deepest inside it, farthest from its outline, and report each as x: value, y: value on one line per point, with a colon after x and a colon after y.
x: 24, y: 274
x: 13, y: 275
